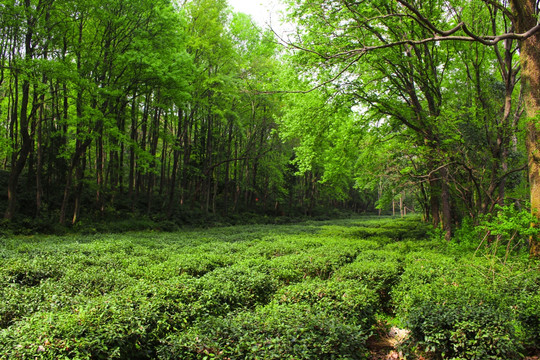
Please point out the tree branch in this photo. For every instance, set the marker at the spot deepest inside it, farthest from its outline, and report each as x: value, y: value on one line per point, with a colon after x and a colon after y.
x: 319, y: 85
x: 498, y: 6
x: 422, y: 20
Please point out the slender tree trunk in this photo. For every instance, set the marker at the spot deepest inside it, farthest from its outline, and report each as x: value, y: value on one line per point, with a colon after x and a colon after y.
x: 39, y: 145
x: 186, y: 155
x: 176, y: 157
x: 100, y: 163
x: 133, y: 138
x: 39, y: 164
x: 67, y: 191
x: 434, y: 200
x: 78, y: 191
x: 164, y: 173
x: 19, y: 159
x: 227, y: 170
x: 446, y: 207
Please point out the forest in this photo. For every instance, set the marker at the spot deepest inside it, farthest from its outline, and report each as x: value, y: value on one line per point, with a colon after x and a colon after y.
x: 171, y: 111
x: 179, y: 182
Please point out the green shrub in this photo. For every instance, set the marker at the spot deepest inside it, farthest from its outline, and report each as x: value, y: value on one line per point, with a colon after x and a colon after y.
x: 529, y: 320
x: 392, y: 229
x: 295, y: 331
x: 350, y: 300
x: 126, y: 325
x: 305, y: 291
x: 507, y: 230
x: 456, y: 309
x: 377, y: 270
x: 229, y: 288
x: 18, y: 301
x: 463, y: 330
x: 199, y: 264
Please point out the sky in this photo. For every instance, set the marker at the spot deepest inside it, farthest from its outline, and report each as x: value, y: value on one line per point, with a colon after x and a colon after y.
x: 264, y: 12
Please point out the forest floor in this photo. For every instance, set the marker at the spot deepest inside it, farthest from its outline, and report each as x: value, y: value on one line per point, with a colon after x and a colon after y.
x: 384, y: 344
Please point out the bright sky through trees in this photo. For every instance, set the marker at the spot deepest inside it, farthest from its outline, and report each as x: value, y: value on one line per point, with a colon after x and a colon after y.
x: 264, y: 12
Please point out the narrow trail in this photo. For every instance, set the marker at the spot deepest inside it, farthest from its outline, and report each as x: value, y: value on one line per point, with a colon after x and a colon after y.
x: 383, y: 345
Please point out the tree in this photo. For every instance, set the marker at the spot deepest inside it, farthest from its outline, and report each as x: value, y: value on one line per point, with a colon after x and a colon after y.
x: 342, y: 34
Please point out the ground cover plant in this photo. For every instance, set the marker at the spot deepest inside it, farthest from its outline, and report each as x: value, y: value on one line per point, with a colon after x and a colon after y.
x: 314, y: 290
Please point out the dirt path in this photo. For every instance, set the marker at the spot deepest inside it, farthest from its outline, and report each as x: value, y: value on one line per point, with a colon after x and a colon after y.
x: 382, y: 345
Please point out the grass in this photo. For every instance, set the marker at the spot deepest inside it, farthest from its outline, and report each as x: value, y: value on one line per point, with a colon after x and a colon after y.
x: 303, y: 291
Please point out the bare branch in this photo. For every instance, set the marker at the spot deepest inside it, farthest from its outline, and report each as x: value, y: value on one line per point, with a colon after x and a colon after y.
x: 439, y: 36
x: 485, y: 40
x: 510, y: 172
x: 498, y: 6
x: 422, y: 20
x: 318, y: 86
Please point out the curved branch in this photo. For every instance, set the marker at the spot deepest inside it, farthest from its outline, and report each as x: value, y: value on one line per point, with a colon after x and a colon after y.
x: 498, y: 6
x: 423, y: 20
x: 485, y: 40
x: 355, y: 60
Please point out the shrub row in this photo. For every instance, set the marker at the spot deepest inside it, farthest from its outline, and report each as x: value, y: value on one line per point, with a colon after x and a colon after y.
x: 143, y: 295
x: 468, y: 308
x: 305, y: 291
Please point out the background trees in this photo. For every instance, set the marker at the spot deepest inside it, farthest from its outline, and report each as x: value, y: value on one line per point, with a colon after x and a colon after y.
x: 143, y: 107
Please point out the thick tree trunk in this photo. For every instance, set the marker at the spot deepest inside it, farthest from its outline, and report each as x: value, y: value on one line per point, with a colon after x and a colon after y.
x: 525, y: 17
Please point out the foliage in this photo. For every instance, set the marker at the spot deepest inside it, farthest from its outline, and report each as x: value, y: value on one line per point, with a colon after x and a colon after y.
x: 463, y: 330
x: 461, y: 308
x: 271, y: 332
x: 508, y: 229
x: 310, y: 290
x: 436, y: 120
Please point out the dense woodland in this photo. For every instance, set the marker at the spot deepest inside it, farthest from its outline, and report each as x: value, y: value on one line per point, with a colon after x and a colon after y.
x: 143, y: 107
x: 179, y: 109
x: 174, y: 116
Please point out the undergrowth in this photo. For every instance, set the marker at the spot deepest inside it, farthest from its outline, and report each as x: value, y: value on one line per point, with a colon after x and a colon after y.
x: 314, y: 290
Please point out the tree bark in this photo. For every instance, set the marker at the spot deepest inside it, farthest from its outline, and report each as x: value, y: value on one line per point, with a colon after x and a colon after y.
x: 525, y: 19
x: 446, y: 208
x: 19, y: 159
x: 434, y: 201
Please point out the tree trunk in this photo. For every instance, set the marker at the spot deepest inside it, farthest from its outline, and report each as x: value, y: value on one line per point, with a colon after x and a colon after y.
x: 434, y: 201
x: 19, y: 160
x: 446, y: 209
x: 133, y: 138
x: 525, y: 17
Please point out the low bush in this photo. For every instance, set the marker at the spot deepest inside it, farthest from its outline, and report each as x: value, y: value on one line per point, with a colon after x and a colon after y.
x: 463, y: 329
x: 295, y: 331
x: 465, y: 309
x: 529, y: 320
x: 349, y: 299
x: 230, y: 288
x: 304, y: 291
x: 125, y: 325
x: 377, y: 270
